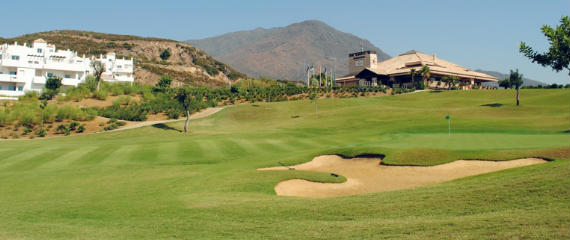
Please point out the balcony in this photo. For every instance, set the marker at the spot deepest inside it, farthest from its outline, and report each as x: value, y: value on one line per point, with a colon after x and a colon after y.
x: 11, y: 93
x: 65, y: 66
x: 70, y: 81
x: 39, y: 80
x: 11, y: 78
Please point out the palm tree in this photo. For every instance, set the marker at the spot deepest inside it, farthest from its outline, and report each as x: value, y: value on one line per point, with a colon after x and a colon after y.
x: 413, y: 73
x: 515, y: 80
x: 425, y: 72
x: 453, y: 81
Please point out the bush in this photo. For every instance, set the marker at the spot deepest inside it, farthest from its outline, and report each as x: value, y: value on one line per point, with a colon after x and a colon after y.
x: 41, y: 132
x: 48, y: 94
x: 73, y: 125
x: 173, y: 114
x: 454, y: 88
x: 81, y: 129
x: 165, y: 54
x: 101, y: 94
x: 27, y: 130
x: 62, y: 129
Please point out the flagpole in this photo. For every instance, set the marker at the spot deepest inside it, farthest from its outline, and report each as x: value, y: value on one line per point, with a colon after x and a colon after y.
x: 448, y: 117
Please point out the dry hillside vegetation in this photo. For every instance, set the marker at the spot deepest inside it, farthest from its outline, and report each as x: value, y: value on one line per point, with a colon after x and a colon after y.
x: 186, y: 64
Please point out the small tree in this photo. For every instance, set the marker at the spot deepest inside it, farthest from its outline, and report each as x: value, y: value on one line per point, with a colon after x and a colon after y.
x: 314, y: 96
x: 558, y: 55
x: 516, y: 81
x: 185, y: 97
x: 98, y: 69
x: 53, y: 83
x: 164, y: 83
x: 52, y: 86
x: 165, y: 54
x: 505, y: 83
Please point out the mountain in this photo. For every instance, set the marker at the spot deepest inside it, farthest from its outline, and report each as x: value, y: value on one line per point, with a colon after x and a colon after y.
x: 501, y: 76
x: 284, y: 52
x: 186, y: 64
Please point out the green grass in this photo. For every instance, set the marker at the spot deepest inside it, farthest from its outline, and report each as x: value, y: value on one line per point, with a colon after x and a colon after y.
x: 151, y: 183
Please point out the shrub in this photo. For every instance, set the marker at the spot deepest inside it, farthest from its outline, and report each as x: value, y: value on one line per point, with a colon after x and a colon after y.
x: 173, y: 114
x: 73, y: 125
x: 165, y: 54
x: 27, y: 130
x: 41, y: 132
x: 101, y: 94
x: 48, y: 94
x: 121, y: 123
x: 61, y: 129
x: 81, y: 129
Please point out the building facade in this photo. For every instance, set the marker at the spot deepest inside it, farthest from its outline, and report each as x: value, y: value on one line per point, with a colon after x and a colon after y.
x: 25, y: 68
x: 396, y: 72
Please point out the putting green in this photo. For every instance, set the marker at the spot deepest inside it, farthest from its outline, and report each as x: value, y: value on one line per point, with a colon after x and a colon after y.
x: 156, y: 183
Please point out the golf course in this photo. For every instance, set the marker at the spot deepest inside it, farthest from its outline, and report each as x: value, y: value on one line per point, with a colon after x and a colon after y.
x: 156, y: 182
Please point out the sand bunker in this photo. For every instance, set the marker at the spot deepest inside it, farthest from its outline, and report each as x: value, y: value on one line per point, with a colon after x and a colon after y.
x: 366, y: 175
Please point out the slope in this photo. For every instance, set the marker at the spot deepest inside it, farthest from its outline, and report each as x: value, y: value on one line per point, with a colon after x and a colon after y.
x: 186, y: 64
x: 284, y: 52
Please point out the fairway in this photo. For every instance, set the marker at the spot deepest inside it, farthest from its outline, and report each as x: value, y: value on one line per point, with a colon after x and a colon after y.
x: 158, y: 183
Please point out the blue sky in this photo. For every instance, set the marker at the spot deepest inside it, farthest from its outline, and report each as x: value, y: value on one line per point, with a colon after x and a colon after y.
x: 478, y: 34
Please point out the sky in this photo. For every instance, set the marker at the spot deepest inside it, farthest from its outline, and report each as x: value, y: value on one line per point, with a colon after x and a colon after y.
x: 478, y: 34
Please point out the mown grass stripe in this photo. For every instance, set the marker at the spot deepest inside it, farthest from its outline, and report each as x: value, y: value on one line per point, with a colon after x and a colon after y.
x: 121, y: 156
x: 231, y: 148
x: 68, y: 158
x: 146, y: 153
x: 21, y: 155
x: 167, y: 152
x: 37, y: 160
x: 97, y: 155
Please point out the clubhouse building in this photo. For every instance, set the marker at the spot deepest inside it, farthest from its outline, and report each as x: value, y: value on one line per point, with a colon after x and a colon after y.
x: 24, y: 68
x: 365, y: 70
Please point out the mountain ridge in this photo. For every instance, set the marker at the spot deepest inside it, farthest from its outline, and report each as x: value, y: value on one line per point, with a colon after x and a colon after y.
x: 284, y: 52
x: 501, y: 76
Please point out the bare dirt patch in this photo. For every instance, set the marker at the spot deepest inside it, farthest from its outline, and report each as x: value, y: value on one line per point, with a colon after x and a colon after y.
x: 366, y: 175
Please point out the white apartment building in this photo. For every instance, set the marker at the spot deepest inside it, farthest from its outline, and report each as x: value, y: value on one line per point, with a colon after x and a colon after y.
x: 24, y: 68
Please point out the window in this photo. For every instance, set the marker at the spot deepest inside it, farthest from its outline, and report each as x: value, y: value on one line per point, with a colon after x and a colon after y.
x: 119, y: 66
x: 39, y: 50
x: 20, y: 88
x: 11, y: 88
x: 49, y: 74
x: 36, y: 62
x: 13, y: 73
x: 16, y: 58
x: 67, y: 76
x: 359, y: 63
x: 0, y: 57
x: 0, y: 87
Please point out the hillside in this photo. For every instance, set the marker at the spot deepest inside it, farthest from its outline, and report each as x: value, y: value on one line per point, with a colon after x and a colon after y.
x: 501, y: 76
x: 283, y: 52
x: 186, y: 64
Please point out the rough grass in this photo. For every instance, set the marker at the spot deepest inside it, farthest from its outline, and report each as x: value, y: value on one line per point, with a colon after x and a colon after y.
x: 151, y: 183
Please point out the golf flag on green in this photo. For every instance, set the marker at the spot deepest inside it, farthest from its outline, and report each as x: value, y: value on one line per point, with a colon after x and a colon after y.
x: 448, y: 124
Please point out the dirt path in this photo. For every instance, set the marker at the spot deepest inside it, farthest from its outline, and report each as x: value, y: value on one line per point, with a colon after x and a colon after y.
x: 366, y: 175
x: 205, y: 113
